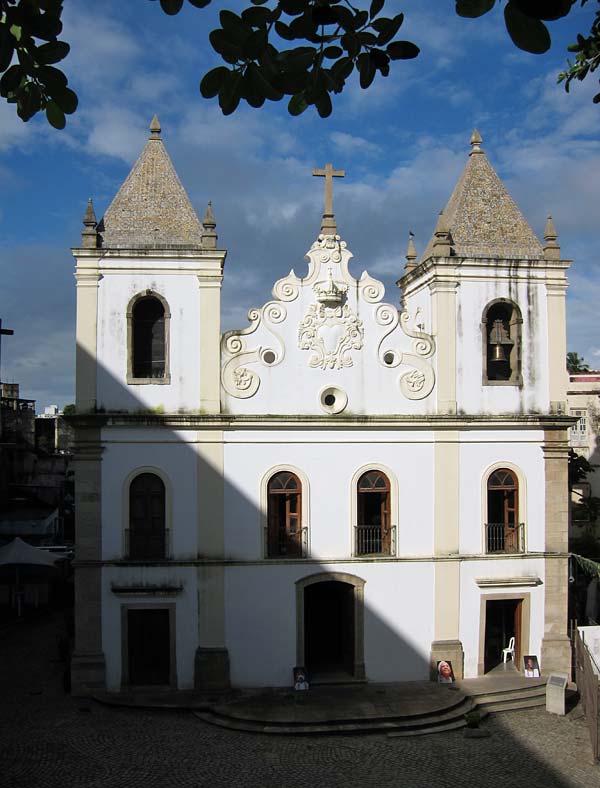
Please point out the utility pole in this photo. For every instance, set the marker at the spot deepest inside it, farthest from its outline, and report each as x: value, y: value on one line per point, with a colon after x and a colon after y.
x: 3, y: 332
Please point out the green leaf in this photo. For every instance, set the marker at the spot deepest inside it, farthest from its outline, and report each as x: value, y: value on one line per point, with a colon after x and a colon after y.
x: 548, y: 10
x: 528, y: 34
x: 323, y: 104
x: 230, y: 92
x: 67, y: 100
x: 333, y: 52
x: 283, y: 31
x: 402, y: 50
x: 7, y: 47
x: 171, y: 7
x: 199, y: 3
x: 294, y: 7
x: 389, y: 30
x: 45, y: 26
x: 324, y: 15
x: 261, y: 84
x: 366, y: 69
x: 343, y: 68
x: 255, y: 43
x: 229, y: 51
x: 257, y: 17
x: 55, y: 115
x: 235, y: 29
x: 52, y: 78
x: 11, y: 80
x: 29, y: 100
x: 53, y: 52
x: 474, y: 8
x: 375, y: 7
x: 297, y: 104
x: 350, y: 43
x: 211, y: 82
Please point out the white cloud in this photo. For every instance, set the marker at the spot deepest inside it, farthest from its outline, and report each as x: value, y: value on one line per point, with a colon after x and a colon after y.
x: 351, y: 143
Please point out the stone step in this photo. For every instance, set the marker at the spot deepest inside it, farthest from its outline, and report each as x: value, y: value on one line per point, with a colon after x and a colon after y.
x: 406, y: 726
x: 512, y: 705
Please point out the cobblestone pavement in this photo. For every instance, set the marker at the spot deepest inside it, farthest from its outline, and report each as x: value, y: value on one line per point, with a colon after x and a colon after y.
x: 49, y: 739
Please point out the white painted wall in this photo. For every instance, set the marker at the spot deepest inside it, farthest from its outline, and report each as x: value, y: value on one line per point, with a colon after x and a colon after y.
x: 517, y: 450
x: 330, y: 460
x: 472, y: 298
x: 186, y: 616
x: 180, y: 289
x: 261, y: 620
x: 173, y: 455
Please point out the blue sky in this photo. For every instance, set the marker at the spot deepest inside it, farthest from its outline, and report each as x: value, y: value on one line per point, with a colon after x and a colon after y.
x: 403, y: 144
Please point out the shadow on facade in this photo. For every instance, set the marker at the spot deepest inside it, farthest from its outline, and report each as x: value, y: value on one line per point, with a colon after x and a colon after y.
x: 214, y: 610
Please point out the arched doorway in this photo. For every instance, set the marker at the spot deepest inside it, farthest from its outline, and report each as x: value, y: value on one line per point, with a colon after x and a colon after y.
x: 330, y: 640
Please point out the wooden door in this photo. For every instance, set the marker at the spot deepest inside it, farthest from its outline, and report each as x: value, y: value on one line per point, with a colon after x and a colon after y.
x: 149, y: 647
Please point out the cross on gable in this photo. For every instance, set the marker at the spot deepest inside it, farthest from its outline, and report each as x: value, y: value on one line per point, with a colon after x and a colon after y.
x: 328, y: 226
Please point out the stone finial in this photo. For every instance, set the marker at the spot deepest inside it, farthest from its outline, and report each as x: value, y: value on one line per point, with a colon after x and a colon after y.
x: 155, y: 128
x: 209, y: 224
x: 89, y: 236
x: 475, y: 142
x: 551, y: 247
x: 442, y: 238
x: 411, y: 253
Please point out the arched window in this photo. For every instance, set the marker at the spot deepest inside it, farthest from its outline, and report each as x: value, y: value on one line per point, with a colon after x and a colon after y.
x: 148, y: 338
x: 373, y: 531
x: 147, y: 532
x: 284, y: 508
x: 503, y: 530
x: 501, y: 338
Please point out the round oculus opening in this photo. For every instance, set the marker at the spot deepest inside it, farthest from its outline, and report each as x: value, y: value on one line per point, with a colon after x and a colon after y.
x: 388, y: 358
x: 329, y: 400
x: 269, y: 357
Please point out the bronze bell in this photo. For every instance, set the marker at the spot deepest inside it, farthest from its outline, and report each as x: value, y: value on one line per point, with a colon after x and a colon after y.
x: 498, y: 353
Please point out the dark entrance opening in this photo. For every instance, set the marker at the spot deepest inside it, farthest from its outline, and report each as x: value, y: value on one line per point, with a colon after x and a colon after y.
x: 329, y: 629
x: 502, y: 622
x: 148, y: 647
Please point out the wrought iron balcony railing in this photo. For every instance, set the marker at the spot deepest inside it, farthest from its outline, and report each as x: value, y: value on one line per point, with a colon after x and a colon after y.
x: 287, y: 545
x: 504, y: 538
x: 374, y: 540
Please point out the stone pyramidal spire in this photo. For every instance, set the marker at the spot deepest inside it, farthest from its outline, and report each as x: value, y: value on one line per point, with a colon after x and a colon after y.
x: 481, y: 217
x: 151, y: 209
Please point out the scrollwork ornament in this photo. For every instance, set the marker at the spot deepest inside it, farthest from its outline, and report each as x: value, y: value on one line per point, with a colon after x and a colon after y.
x: 288, y: 288
x: 418, y: 382
x: 372, y: 290
x: 424, y: 344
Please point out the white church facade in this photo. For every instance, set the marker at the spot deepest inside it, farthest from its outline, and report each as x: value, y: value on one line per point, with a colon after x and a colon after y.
x: 344, y: 484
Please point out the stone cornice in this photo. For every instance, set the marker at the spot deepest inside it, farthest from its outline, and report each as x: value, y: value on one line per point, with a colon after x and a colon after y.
x: 457, y: 268
x: 317, y: 561
x: 336, y: 422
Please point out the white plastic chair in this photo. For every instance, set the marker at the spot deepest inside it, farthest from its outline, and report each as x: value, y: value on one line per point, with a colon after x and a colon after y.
x: 510, y: 649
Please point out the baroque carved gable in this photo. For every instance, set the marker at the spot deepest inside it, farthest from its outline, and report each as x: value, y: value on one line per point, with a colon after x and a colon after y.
x: 330, y: 328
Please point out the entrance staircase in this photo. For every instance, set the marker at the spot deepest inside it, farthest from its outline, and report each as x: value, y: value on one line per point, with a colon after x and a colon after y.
x: 411, y: 709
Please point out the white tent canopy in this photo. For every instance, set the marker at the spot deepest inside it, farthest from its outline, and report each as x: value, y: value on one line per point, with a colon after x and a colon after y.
x: 19, y: 553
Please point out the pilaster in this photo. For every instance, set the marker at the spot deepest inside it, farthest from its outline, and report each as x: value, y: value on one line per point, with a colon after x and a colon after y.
x: 88, y: 664
x: 557, y: 345
x: 210, y: 337
x: 446, y: 643
x: 212, y: 659
x: 556, y: 649
x: 87, y: 279
x: 443, y: 306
